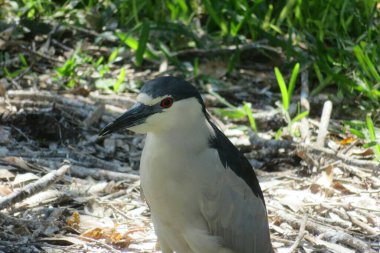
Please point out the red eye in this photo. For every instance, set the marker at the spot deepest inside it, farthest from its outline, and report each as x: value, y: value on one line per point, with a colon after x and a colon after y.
x: 166, y: 102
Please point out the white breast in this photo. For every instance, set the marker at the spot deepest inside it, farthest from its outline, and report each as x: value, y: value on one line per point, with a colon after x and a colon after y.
x: 174, y: 176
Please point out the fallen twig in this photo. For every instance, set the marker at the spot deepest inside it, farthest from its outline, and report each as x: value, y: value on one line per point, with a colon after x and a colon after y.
x: 325, y: 119
x: 21, y: 163
x: 314, y: 227
x: 370, y: 230
x: 83, y: 172
x: 300, y: 235
x: 336, y: 248
x: 34, y: 187
x: 304, y: 129
x: 275, y: 145
x: 327, y: 153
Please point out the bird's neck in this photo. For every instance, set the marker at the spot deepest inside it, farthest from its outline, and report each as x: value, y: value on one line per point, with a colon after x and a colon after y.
x: 194, y: 136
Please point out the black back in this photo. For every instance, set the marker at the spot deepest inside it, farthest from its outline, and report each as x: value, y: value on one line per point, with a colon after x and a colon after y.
x: 231, y: 157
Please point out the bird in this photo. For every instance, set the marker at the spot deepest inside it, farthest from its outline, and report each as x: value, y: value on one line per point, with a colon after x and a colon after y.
x: 202, y: 192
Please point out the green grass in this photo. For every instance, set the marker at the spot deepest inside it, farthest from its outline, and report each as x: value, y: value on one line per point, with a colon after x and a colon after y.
x: 340, y: 41
x: 286, y: 94
x: 337, y: 42
x: 375, y: 141
x: 287, y: 91
x: 251, y: 119
x: 367, y: 131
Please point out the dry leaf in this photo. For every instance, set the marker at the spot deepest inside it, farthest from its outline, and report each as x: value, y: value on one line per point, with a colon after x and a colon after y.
x: 24, y: 178
x: 5, y: 190
x: 121, y: 241
x: 340, y: 187
x: 367, y: 152
x: 43, y: 197
x: 347, y: 141
x: 330, y: 173
x: 326, y: 178
x: 315, y: 188
x: 94, y: 233
x: 74, y: 220
x: 17, y: 161
x: 111, y: 235
x: 6, y: 174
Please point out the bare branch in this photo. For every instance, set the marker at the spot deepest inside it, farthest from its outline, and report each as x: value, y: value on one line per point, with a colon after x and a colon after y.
x: 33, y: 188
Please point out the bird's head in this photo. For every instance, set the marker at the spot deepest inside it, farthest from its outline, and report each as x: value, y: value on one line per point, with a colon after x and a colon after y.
x: 163, y: 104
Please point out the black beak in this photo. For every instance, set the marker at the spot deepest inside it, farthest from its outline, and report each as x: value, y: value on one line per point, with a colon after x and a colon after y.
x: 133, y: 117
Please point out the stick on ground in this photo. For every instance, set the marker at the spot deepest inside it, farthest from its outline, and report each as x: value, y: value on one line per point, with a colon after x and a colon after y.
x: 304, y: 129
x: 325, y: 119
x: 313, y: 227
x: 33, y: 188
x: 300, y: 235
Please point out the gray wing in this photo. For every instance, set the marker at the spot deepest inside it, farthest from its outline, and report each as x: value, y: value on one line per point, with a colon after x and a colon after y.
x: 236, y: 215
x: 233, y: 204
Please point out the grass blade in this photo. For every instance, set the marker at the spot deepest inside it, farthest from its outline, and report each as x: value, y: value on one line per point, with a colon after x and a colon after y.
x: 113, y: 55
x: 248, y: 112
x: 293, y: 78
x: 300, y: 116
x: 372, y: 135
x: 214, y: 15
x: 117, y: 85
x: 371, y: 68
x: 144, y: 36
x: 360, y: 57
x: 283, y: 89
x: 222, y: 100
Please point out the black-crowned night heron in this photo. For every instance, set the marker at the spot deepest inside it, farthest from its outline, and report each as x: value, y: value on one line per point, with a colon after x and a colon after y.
x: 203, y: 193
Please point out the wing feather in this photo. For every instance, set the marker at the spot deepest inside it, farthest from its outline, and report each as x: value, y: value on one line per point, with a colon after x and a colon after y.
x: 236, y: 215
x: 233, y: 205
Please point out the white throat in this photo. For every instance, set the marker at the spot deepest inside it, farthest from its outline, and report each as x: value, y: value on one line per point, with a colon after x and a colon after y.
x: 191, y: 132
